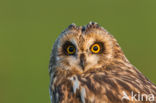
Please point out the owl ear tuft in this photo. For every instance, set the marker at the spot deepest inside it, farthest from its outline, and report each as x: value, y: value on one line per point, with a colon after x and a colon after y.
x: 93, y: 25
x: 72, y: 26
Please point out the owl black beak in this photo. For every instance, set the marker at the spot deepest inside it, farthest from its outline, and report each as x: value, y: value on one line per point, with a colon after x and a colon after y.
x: 82, y: 61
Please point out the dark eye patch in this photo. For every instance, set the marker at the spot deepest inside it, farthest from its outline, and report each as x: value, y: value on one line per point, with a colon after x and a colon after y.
x: 66, y: 45
x: 102, y: 48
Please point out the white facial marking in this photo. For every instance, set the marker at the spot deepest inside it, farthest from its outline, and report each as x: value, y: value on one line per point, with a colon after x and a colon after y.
x: 73, y: 60
x: 73, y: 41
x: 92, y: 59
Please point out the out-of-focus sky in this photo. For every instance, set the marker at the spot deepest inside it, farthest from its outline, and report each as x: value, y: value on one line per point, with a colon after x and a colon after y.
x: 28, y: 28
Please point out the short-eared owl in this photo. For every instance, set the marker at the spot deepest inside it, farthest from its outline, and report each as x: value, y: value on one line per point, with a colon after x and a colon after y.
x: 87, y: 65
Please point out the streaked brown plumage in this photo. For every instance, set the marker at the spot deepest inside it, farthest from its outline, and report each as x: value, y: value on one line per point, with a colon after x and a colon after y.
x: 87, y: 65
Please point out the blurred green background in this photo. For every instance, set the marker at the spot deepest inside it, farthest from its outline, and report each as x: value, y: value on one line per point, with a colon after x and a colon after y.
x: 28, y: 28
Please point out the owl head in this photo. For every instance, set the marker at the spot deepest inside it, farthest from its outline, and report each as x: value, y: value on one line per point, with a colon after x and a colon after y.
x: 82, y: 48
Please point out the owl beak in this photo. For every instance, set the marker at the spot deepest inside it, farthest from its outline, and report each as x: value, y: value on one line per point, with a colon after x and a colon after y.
x: 82, y: 61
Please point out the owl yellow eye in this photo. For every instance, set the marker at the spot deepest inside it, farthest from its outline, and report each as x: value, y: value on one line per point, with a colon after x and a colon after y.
x: 95, y: 48
x: 70, y: 50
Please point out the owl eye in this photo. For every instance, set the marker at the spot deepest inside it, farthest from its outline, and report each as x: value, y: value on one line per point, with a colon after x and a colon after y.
x: 70, y: 49
x: 96, y: 48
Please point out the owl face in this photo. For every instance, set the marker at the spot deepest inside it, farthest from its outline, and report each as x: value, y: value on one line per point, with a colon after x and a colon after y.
x: 79, y: 49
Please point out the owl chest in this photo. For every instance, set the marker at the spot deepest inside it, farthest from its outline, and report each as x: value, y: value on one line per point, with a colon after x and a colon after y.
x: 64, y: 91
x: 76, y: 89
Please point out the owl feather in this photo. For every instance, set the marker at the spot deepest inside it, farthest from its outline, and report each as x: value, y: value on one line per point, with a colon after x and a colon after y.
x: 87, y: 65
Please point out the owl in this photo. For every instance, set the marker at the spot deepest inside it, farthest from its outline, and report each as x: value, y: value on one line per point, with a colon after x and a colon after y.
x: 87, y: 65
